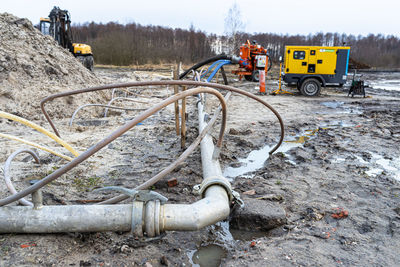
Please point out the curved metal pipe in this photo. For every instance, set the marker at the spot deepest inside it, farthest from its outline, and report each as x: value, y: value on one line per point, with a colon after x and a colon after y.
x: 123, y: 129
x: 173, y: 82
x: 98, y: 105
x: 7, y: 178
x: 119, y: 98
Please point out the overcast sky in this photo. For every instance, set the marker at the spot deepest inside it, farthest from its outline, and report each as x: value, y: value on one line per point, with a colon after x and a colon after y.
x: 278, y: 16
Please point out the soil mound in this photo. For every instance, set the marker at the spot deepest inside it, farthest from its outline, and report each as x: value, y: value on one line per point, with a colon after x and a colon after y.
x: 33, y: 66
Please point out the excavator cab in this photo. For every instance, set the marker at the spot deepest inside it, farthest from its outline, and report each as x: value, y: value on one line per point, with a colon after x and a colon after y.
x: 44, y: 26
x: 58, y: 25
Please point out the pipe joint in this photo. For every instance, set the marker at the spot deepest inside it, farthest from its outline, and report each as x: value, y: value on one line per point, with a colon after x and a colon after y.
x: 200, y: 189
x: 152, y: 218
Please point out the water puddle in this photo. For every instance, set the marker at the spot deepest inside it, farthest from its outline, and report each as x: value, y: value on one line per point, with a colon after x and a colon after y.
x: 386, y: 84
x: 256, y: 158
x: 339, y: 107
x: 377, y: 165
x: 207, y: 256
x: 332, y: 104
x: 380, y: 165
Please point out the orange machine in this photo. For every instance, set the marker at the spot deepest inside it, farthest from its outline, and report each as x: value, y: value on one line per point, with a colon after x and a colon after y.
x: 253, y: 57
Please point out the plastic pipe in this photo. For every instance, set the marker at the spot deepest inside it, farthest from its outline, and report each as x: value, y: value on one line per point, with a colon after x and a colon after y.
x: 39, y: 129
x: 11, y: 137
x: 7, y: 178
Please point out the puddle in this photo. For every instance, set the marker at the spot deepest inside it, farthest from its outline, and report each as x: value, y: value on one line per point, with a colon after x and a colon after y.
x: 377, y: 165
x: 207, y: 256
x: 332, y: 104
x: 391, y: 167
x: 386, y: 84
x: 339, y: 107
x: 255, y: 160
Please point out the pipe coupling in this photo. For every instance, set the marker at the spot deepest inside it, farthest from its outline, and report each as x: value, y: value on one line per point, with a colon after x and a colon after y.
x: 214, y: 180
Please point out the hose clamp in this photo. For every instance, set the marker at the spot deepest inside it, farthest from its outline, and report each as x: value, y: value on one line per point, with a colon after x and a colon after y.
x: 214, y: 180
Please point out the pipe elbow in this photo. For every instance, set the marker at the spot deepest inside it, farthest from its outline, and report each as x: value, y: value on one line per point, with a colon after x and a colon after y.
x: 207, y: 211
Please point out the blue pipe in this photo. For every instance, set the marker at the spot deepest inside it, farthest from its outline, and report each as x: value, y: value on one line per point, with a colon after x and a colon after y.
x: 215, y: 67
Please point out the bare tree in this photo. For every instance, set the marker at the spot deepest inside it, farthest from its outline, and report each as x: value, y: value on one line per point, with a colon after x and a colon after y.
x: 233, y: 27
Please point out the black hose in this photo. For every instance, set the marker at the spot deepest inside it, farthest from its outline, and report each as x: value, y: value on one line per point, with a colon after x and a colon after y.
x: 269, y: 64
x: 204, y: 62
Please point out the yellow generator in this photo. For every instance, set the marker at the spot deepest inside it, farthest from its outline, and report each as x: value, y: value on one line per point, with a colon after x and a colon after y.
x: 310, y: 67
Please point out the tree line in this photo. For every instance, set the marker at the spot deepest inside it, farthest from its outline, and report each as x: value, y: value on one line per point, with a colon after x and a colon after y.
x: 135, y: 44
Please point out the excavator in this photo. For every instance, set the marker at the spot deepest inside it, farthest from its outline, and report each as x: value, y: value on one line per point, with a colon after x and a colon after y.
x: 58, y: 25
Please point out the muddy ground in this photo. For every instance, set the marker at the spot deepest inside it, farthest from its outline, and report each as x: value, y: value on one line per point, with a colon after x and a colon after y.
x: 335, y: 180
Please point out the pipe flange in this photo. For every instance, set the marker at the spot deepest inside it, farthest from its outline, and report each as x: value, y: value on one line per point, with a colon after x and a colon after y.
x: 214, y: 180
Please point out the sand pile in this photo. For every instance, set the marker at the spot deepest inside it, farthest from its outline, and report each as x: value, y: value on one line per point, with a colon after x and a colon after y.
x: 33, y: 66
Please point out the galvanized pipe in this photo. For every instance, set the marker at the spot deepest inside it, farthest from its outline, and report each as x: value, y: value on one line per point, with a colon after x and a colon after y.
x: 207, y: 211
x: 70, y: 218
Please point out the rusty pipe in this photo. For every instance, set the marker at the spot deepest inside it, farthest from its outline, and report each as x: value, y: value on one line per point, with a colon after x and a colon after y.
x: 160, y: 83
x: 123, y: 129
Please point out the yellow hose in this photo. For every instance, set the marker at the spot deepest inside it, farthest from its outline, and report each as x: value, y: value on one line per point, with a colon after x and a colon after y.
x: 35, y: 145
x: 39, y: 129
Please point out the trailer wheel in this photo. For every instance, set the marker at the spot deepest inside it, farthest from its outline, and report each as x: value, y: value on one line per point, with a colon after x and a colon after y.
x: 256, y: 76
x: 310, y: 87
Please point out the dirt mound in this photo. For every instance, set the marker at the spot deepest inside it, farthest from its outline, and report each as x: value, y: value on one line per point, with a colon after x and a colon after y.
x: 33, y: 66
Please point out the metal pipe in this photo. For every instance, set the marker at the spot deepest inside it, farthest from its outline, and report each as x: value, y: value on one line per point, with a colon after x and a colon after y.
x: 121, y: 98
x: 99, y: 105
x: 71, y: 218
x: 173, y: 82
x: 207, y: 211
x: 123, y: 129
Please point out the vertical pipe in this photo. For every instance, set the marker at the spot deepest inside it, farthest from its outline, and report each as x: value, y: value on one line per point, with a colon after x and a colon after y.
x: 211, y: 166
